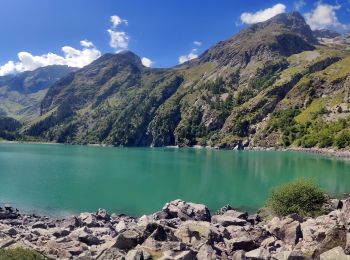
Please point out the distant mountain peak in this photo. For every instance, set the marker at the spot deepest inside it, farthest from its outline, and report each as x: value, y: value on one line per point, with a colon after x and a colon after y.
x: 326, y: 33
x: 124, y: 57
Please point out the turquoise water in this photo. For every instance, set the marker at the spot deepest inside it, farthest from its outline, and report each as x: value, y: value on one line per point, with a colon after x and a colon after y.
x: 62, y: 179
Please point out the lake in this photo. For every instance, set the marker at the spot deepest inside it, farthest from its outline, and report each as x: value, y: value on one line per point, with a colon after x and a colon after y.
x: 65, y: 179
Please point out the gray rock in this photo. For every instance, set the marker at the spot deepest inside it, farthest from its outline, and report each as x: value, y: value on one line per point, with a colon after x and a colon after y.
x: 267, y: 242
x: 75, y: 250
x: 288, y: 230
x: 347, y: 245
x: 228, y: 220
x: 59, y: 232
x: 135, y: 254
x: 89, y: 239
x: 127, y: 240
x: 102, y: 214
x: 121, y: 226
x: 258, y: 254
x: 289, y: 255
x: 88, y: 219
x: 238, y: 255
x: 11, y: 232
x: 71, y: 223
x: 111, y: 254
x: 336, y: 253
x: 41, y: 225
x: 187, y: 211
x: 321, y: 233
x: 236, y: 214
x: 8, y: 213
x: 6, y: 241
x: 184, y: 255
x: 242, y: 243
x: 206, y: 252
x: 254, y: 219
x: 196, y: 233
x: 224, y: 209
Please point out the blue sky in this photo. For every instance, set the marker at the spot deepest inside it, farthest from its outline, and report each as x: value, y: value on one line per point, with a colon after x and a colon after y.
x: 160, y: 30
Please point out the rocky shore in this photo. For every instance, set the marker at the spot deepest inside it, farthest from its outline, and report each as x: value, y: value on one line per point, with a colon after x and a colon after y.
x: 328, y: 152
x: 181, y: 230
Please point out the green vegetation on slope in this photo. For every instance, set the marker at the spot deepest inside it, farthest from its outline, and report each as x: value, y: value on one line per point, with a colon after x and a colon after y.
x: 20, y: 254
x: 270, y: 85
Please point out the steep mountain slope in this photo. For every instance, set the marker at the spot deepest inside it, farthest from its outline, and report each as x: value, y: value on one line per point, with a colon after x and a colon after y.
x: 225, y: 98
x: 21, y: 94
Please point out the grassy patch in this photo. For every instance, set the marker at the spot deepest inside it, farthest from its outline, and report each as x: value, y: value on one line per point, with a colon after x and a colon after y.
x: 311, y: 112
x: 20, y: 254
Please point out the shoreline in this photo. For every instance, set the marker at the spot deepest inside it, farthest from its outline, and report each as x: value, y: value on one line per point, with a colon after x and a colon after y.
x: 326, y: 152
x: 180, y: 230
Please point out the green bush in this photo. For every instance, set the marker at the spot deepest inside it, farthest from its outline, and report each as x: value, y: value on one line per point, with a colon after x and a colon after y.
x: 20, y: 254
x: 303, y: 197
x: 342, y: 140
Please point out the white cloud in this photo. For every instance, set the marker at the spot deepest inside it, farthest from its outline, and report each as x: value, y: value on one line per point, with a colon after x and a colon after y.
x: 299, y: 4
x: 324, y: 16
x: 9, y: 68
x: 116, y: 21
x: 197, y: 43
x: 119, y: 40
x: 263, y: 15
x: 192, y: 55
x: 71, y: 57
x: 86, y: 43
x: 146, y: 62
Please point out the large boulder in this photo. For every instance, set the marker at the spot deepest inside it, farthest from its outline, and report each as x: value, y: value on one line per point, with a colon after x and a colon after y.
x: 322, y: 234
x: 336, y: 253
x: 196, y: 233
x: 88, y: 219
x: 70, y: 223
x: 102, y: 214
x: 127, y: 240
x: 245, y: 243
x: 287, y: 229
x: 288, y: 255
x: 186, y: 211
x: 258, y: 254
x: 225, y: 221
x: 206, y: 252
x: 89, y: 239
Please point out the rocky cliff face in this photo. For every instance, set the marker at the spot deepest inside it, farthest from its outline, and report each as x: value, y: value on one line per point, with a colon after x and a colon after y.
x: 235, y: 94
x: 181, y: 230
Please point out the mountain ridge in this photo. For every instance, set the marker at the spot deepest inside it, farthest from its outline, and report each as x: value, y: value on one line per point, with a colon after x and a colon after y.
x: 226, y: 97
x: 21, y: 94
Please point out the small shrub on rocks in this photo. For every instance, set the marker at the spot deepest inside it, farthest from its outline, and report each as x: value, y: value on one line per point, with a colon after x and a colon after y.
x: 20, y: 254
x: 303, y: 197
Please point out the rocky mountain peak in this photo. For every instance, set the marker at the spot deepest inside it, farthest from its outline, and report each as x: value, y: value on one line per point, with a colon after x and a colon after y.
x: 295, y: 22
x: 122, y: 58
x: 282, y: 35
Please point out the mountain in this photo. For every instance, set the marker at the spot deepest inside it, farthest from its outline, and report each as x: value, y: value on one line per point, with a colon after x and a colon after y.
x: 325, y: 33
x: 21, y: 94
x: 272, y: 84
